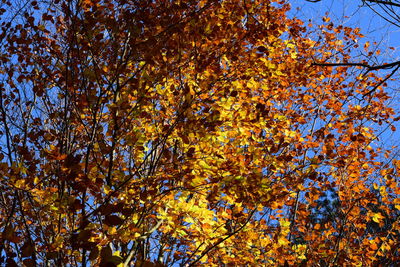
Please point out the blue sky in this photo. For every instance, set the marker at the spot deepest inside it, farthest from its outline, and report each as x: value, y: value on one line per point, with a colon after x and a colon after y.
x: 353, y: 13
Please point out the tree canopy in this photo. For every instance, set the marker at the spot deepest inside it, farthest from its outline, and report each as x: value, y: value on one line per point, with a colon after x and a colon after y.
x: 188, y: 133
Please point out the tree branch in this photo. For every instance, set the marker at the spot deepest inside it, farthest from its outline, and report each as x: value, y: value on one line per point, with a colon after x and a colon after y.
x: 364, y: 65
x: 209, y: 248
x: 389, y: 3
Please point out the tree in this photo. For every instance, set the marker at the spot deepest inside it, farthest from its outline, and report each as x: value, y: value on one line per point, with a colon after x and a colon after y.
x: 381, y: 207
x: 154, y: 133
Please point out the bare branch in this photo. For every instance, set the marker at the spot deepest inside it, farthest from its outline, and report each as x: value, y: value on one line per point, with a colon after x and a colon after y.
x: 369, y: 67
x: 389, y: 3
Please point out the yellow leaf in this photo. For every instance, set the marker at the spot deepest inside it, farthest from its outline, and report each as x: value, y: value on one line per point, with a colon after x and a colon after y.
x: 20, y: 183
x: 204, y: 165
x: 284, y: 223
x: 112, y: 230
x: 107, y: 189
x: 376, y: 217
x: 117, y: 253
x: 382, y: 190
x: 375, y: 186
x: 385, y: 246
x: 282, y: 241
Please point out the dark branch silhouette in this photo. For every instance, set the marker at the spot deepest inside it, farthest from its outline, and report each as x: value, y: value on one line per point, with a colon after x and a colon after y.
x: 369, y: 67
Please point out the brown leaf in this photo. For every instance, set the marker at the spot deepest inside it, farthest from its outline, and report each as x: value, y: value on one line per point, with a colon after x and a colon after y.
x: 113, y: 220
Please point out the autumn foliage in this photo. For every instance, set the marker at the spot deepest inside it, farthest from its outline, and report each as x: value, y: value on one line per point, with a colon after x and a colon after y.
x: 188, y: 133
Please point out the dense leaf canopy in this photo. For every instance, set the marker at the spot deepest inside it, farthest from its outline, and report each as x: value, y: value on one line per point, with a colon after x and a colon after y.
x: 185, y: 133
